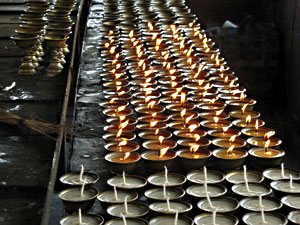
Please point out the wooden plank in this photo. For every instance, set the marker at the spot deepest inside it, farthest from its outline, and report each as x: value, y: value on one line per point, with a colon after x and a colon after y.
x: 8, y: 48
x: 12, y: 8
x: 8, y: 30
x: 9, y: 18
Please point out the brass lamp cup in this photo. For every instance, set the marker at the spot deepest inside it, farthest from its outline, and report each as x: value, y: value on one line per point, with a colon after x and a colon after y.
x: 129, y: 220
x: 247, y: 217
x: 229, y: 163
x: 202, y: 204
x: 118, y: 166
x: 190, y: 163
x: 205, y: 218
x: 130, y: 146
x: 159, y: 165
x: 72, y: 179
x: 72, y: 205
x: 156, y: 194
x: 108, y: 197
x: 29, y: 62
x: 166, y: 219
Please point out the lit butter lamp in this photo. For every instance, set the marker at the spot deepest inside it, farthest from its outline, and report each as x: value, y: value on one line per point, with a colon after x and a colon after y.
x: 119, y: 131
x: 153, y: 117
x: 248, y: 122
x: 119, y: 162
x: 228, y: 142
x: 243, y: 113
x: 117, y: 112
x: 229, y: 159
x: 190, y: 132
x: 183, y: 124
x: 194, y: 157
x: 177, y: 107
x: 211, y: 114
x: 122, y: 146
x: 238, y: 104
x: 183, y: 115
x: 203, y: 143
x: 264, y: 218
x: 261, y: 141
x: 216, y: 123
x: 257, y: 131
x: 212, y: 106
x: 265, y: 157
x: 159, y: 143
x: 150, y: 108
x: 225, y: 132
x: 157, y: 159
x: 113, y: 103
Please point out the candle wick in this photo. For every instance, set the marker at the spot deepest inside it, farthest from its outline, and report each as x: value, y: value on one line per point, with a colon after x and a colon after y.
x: 81, y: 173
x: 80, y: 216
x: 126, y: 205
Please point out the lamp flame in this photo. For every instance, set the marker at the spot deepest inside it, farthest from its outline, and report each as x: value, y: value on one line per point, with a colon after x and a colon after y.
x: 267, y: 143
x: 161, y: 139
x: 131, y: 33
x: 126, y: 155
x: 256, y: 125
x: 268, y: 135
x: 216, y: 119
x: 182, y: 97
x: 163, y: 151
x: 122, y: 143
x: 150, y: 26
x: 189, y: 118
x: 248, y: 119
x: 153, y: 123
x: 151, y: 104
x: 194, y: 148
x: 124, y: 124
x: 156, y: 132
x: 225, y: 129
x: 218, y: 113
x: 192, y: 127
x: 232, y: 138
x: 121, y: 108
x: 183, y: 112
x: 230, y: 149
x: 196, y: 137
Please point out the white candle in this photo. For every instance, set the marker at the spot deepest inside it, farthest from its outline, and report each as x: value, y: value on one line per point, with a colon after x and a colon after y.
x: 82, y: 188
x: 207, y: 197
x: 291, y: 181
x: 205, y: 174
x: 166, y: 174
x: 164, y: 190
x: 245, y: 178
x: 282, y: 170
x: 80, y: 216
x: 124, y: 219
x: 126, y: 206
x: 116, y: 193
x: 124, y: 178
x: 168, y: 204
x: 263, y: 216
x: 214, y: 217
x: 260, y: 201
x: 176, y: 218
x: 81, y: 173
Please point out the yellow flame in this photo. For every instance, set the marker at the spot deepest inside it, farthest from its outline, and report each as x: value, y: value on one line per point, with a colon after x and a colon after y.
x: 268, y: 135
x: 148, y: 72
x: 172, y: 71
x: 126, y: 155
x: 153, y: 123
x: 151, y: 104
x: 122, y: 143
x: 118, y: 75
x: 226, y: 79
x: 140, y: 63
x: 256, y: 125
x: 216, y: 119
x: 248, y: 119
x: 131, y: 33
x: 124, y: 124
x: 106, y: 45
x: 112, y: 100
x: 121, y: 118
x: 217, y: 62
x: 191, y: 25
x: 150, y: 26
x: 112, y: 49
x: 193, y: 66
x: 231, y: 83
x: 166, y: 56
x: 154, y: 36
x: 242, y: 96
x: 232, y: 138
x: 182, y: 97
x: 118, y: 88
x: 163, y: 151
x: 225, y: 129
x: 174, y: 95
x: 119, y: 133
x: 196, y: 137
x: 121, y: 93
x: 121, y: 108
x: 182, y: 113
x: 194, y: 148
x: 173, y: 84
x: 244, y: 108
x: 192, y: 127
x: 267, y: 143
x: 188, y: 119
x: 156, y: 132
x: 230, y: 149
x: 161, y: 139
x: 218, y: 113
